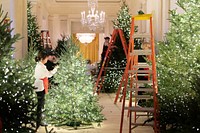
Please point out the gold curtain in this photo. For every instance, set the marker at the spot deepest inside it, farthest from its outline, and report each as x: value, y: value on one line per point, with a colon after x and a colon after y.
x: 90, y: 50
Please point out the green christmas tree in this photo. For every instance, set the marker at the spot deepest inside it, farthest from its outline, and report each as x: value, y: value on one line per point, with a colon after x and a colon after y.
x: 71, y: 102
x: 61, y: 47
x: 34, y: 39
x: 16, y: 91
x: 118, y: 58
x: 123, y: 20
x: 178, y: 69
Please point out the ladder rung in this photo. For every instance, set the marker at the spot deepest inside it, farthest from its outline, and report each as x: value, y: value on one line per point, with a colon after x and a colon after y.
x: 143, y: 81
x: 114, y: 68
x: 140, y: 89
x: 142, y: 66
x: 148, y: 114
x: 140, y: 74
x: 142, y: 17
x: 142, y: 124
x: 140, y: 71
x: 143, y: 97
x: 144, y: 35
x: 140, y: 109
x: 140, y: 52
x: 44, y: 30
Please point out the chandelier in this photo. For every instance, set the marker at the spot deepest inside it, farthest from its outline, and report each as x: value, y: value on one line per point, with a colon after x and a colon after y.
x: 94, y: 19
x: 85, y: 38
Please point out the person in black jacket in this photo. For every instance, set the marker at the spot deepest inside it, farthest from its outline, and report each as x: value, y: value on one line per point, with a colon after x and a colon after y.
x: 105, y: 48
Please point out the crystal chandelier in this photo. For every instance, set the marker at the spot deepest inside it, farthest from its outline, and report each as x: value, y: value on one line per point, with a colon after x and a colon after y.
x: 85, y: 38
x: 94, y: 19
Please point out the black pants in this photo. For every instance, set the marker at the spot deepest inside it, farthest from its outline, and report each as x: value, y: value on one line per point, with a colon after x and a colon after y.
x: 40, y: 105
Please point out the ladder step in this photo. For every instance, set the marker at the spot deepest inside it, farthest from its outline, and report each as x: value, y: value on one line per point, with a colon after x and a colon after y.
x: 140, y: 52
x: 140, y: 71
x: 148, y: 114
x: 142, y: 124
x: 142, y: 17
x: 142, y: 74
x: 140, y: 109
x: 143, y: 81
x: 140, y: 89
x: 112, y: 68
x: 146, y: 35
x: 143, y: 97
x: 142, y: 66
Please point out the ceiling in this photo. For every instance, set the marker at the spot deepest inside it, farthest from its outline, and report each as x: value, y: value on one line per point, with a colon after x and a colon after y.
x: 85, y: 1
x: 66, y: 7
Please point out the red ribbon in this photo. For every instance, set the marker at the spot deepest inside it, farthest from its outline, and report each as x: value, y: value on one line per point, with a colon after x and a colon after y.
x: 46, y: 84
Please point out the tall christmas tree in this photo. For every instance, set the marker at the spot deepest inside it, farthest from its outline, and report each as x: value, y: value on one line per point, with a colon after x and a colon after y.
x: 178, y: 68
x: 71, y: 102
x: 123, y: 20
x: 118, y: 58
x: 34, y: 39
x: 16, y: 99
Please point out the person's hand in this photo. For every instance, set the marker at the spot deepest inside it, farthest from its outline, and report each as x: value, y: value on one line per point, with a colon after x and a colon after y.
x: 56, y: 67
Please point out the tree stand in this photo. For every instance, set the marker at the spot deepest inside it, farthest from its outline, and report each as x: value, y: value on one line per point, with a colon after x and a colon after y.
x: 51, y: 131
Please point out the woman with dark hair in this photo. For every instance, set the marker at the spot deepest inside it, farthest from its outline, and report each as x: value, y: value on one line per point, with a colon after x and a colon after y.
x: 41, y: 83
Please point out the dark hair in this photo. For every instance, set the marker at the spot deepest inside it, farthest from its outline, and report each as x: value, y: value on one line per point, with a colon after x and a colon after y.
x: 106, y: 38
x: 41, y: 55
x: 51, y: 52
x: 88, y: 61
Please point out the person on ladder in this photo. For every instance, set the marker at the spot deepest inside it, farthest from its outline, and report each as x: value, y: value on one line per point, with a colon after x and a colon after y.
x: 105, y: 48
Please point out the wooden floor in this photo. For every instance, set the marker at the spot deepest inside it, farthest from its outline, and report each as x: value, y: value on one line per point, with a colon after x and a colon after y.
x: 112, y: 112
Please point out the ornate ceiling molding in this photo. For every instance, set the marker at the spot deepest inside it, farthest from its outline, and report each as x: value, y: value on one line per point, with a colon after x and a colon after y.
x: 81, y: 1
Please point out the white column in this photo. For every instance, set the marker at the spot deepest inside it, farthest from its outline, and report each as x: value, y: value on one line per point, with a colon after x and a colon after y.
x: 18, y: 14
x: 55, y: 30
x: 69, y: 30
x: 154, y: 7
x: 165, y: 17
x: 173, y: 5
x: 42, y: 15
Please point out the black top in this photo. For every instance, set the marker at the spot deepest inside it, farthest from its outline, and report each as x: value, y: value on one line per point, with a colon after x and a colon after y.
x: 105, y: 48
x: 50, y: 65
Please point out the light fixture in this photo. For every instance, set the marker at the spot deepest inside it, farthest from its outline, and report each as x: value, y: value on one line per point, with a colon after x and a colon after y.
x: 94, y: 19
x: 85, y: 38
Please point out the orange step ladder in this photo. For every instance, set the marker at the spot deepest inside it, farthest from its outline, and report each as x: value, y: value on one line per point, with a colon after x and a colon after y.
x: 103, y: 68
x: 45, y: 39
x: 145, y: 113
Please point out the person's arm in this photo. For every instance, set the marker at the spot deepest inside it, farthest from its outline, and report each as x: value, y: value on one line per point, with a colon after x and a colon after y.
x: 42, y: 72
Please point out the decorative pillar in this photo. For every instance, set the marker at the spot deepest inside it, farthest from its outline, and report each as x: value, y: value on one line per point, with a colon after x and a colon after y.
x: 55, y: 30
x: 69, y: 24
x: 165, y: 17
x: 18, y: 14
x: 154, y: 7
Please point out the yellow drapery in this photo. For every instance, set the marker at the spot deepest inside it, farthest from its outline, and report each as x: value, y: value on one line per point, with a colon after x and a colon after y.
x: 90, y: 50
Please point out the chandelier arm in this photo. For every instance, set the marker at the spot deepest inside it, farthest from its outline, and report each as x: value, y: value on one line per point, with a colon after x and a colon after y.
x: 94, y: 19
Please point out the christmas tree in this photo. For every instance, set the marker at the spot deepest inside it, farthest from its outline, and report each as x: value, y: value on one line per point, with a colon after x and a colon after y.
x: 61, y: 47
x: 34, y: 39
x: 118, y: 58
x: 123, y: 20
x: 71, y: 102
x: 16, y: 91
x: 178, y: 68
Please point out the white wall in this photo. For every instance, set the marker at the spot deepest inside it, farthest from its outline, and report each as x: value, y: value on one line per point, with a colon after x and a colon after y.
x: 17, y: 12
x: 173, y: 5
